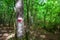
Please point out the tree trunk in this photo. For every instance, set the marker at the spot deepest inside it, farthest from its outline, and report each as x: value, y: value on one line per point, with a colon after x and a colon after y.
x: 19, y: 18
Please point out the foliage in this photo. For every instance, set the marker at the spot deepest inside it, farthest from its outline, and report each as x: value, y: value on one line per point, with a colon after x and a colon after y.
x: 42, y: 13
x: 6, y: 10
x: 45, y: 13
x: 38, y: 13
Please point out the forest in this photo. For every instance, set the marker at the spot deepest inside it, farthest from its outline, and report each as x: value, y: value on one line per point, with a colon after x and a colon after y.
x: 41, y: 18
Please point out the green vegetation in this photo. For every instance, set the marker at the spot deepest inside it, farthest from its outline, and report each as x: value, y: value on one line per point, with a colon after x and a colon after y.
x: 7, y: 14
x: 44, y: 14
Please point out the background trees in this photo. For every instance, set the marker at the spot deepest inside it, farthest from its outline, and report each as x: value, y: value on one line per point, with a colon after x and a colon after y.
x: 43, y: 14
x: 7, y: 11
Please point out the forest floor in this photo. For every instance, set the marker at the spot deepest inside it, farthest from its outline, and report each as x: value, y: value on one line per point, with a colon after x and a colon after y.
x: 35, y: 33
x: 42, y: 34
x: 5, y: 31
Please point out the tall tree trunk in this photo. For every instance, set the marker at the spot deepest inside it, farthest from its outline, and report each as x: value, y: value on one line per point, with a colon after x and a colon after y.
x: 19, y: 16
